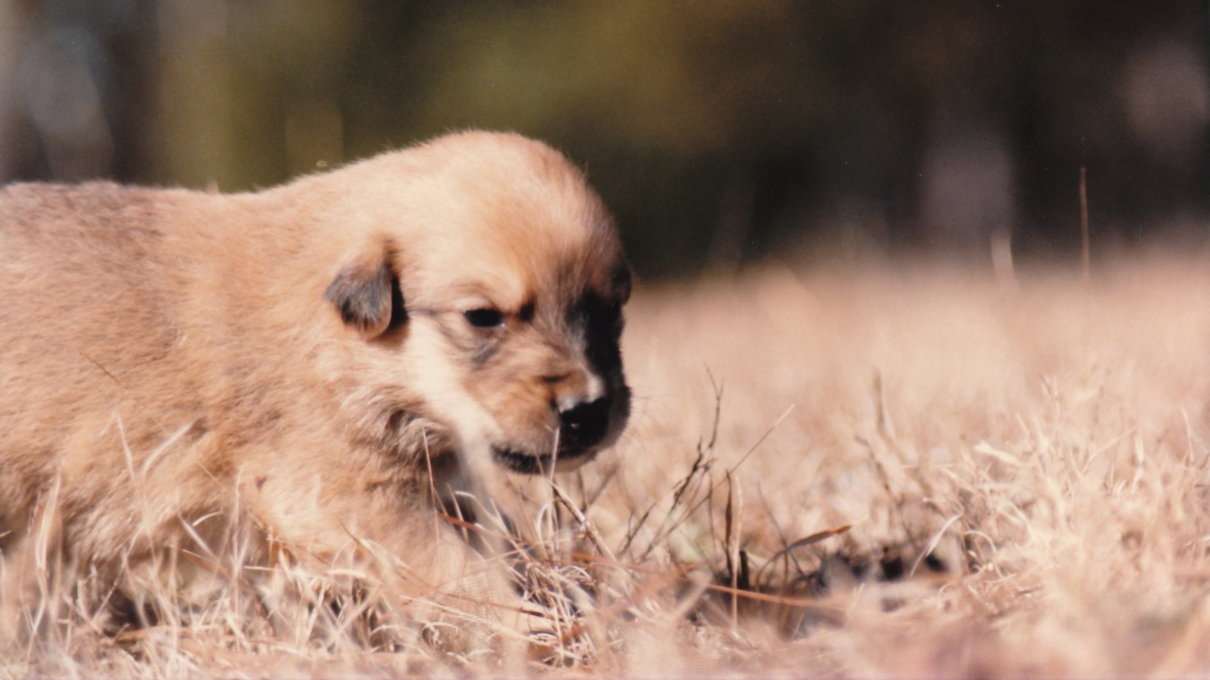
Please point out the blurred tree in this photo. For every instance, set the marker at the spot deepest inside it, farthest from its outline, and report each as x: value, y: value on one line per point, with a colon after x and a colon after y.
x: 718, y: 131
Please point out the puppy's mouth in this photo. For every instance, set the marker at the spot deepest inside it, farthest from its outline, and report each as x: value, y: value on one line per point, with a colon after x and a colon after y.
x: 595, y: 431
x: 531, y: 464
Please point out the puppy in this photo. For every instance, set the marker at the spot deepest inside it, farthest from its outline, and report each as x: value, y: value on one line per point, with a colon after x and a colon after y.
x: 176, y: 363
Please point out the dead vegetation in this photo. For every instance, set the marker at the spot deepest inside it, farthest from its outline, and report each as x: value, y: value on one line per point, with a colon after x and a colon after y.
x: 878, y: 472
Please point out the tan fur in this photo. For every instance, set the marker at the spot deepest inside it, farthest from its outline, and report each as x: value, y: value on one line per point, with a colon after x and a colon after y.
x: 171, y: 357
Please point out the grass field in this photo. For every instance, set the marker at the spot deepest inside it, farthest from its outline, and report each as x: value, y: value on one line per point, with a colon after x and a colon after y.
x: 889, y: 471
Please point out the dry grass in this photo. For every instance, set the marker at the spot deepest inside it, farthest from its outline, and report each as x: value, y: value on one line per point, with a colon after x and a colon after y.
x: 1023, y: 472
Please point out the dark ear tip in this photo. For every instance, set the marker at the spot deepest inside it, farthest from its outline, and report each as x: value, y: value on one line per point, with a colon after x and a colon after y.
x: 366, y: 298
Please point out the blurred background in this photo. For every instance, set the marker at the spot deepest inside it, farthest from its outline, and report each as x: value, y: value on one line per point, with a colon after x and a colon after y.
x: 719, y: 132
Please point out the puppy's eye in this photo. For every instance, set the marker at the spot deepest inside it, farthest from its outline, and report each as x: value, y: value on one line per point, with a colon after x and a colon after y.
x: 484, y: 317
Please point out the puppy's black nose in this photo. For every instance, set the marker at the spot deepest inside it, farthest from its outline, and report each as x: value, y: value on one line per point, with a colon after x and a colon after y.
x: 584, y: 424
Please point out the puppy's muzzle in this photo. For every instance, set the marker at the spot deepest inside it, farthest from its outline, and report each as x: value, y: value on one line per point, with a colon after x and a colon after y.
x: 585, y: 428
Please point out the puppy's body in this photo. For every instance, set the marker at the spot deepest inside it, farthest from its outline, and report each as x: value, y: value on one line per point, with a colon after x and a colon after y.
x: 300, y: 358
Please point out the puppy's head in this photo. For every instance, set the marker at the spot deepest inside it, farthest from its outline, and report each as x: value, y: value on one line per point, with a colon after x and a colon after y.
x: 486, y: 295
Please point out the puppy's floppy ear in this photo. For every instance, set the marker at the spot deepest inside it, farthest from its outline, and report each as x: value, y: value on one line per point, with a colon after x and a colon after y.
x: 366, y: 293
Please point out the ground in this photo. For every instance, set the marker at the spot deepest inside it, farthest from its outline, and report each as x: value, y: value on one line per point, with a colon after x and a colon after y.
x: 880, y: 470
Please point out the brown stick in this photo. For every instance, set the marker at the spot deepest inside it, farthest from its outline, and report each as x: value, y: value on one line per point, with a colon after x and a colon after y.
x: 589, y: 529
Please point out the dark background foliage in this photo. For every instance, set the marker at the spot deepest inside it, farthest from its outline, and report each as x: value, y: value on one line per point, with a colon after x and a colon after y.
x: 717, y: 131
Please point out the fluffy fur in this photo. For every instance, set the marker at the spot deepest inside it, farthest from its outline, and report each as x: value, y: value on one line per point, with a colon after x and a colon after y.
x: 173, y: 361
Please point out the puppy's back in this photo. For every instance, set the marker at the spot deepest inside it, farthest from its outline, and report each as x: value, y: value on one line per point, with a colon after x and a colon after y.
x: 85, y: 319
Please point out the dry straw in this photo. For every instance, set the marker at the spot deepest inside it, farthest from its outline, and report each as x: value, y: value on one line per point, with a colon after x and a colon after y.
x: 909, y: 472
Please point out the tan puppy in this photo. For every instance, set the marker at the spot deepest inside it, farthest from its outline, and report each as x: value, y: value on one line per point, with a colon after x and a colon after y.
x: 175, y: 362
